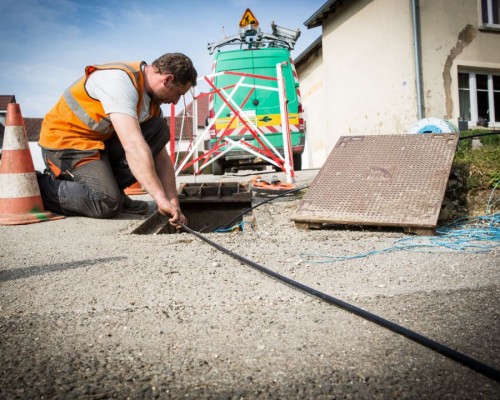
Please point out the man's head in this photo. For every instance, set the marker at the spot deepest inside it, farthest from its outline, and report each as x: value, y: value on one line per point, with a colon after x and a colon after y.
x: 174, y: 76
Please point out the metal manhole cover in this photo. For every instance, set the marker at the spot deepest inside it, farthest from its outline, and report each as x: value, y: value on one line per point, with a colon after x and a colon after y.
x: 384, y: 180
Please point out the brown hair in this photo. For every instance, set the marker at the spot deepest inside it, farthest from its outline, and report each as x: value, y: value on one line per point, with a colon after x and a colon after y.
x: 177, y: 64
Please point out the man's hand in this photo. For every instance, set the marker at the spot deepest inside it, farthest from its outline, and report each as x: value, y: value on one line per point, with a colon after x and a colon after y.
x: 177, y: 217
x: 166, y: 174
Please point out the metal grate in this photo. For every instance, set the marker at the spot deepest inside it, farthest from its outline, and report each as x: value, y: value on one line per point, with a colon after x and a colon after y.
x: 214, y: 192
x: 384, y: 180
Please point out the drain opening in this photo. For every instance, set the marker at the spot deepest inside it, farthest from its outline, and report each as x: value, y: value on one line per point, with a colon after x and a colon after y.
x: 201, y: 218
x: 207, y: 206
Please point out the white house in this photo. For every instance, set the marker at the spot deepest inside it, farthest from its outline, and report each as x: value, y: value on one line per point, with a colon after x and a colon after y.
x: 384, y: 65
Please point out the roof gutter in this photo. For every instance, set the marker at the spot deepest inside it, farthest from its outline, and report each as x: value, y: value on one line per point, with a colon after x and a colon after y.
x: 316, y: 19
x: 312, y: 47
x: 415, y: 7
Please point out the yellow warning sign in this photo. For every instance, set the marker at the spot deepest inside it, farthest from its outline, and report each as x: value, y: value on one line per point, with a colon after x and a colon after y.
x: 248, y: 19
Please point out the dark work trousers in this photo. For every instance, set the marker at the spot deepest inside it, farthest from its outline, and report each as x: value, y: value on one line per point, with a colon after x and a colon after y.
x: 91, y: 182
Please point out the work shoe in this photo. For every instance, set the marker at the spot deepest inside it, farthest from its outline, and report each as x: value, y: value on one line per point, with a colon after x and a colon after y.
x: 134, y: 206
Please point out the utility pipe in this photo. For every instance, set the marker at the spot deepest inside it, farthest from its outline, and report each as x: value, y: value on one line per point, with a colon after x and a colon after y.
x: 195, y: 129
x: 172, y: 133
x: 285, y: 124
x: 415, y: 7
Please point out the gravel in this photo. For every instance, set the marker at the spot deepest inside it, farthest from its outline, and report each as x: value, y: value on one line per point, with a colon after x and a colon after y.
x: 89, y: 310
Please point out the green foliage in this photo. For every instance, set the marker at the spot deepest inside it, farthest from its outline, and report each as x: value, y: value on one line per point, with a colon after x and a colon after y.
x: 479, y: 166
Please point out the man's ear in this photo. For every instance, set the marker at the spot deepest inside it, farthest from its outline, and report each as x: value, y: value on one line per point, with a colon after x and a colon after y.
x: 168, y: 78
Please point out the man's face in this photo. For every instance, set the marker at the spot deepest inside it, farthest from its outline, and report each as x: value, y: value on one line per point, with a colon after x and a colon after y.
x: 170, y: 92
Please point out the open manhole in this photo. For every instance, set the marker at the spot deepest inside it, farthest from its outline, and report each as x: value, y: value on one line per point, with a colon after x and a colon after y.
x: 208, y: 207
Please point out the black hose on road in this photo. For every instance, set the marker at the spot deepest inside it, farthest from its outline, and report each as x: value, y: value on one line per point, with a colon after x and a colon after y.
x: 424, y: 341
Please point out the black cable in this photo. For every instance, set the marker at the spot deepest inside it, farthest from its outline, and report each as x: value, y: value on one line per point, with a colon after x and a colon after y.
x: 424, y: 341
x: 479, y: 134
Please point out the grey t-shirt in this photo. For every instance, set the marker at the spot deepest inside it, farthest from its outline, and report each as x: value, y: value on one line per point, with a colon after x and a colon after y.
x: 117, y: 94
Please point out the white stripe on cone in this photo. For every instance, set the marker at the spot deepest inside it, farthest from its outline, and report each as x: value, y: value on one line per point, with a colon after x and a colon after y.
x: 13, y: 186
x: 15, y: 140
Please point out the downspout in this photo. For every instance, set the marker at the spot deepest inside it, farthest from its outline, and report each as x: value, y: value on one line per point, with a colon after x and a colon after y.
x: 415, y: 7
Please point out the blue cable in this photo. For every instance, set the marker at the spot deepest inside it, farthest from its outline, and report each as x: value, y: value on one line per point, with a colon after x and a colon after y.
x: 465, y: 235
x: 240, y: 226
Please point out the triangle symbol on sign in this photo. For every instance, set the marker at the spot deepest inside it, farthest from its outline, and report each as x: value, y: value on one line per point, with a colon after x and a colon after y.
x: 248, y: 19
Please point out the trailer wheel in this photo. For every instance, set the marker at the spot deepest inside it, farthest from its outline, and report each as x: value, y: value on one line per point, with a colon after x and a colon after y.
x: 218, y: 167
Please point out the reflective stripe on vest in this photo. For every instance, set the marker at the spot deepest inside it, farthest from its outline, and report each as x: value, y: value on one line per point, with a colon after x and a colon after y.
x: 102, y: 126
x: 78, y: 121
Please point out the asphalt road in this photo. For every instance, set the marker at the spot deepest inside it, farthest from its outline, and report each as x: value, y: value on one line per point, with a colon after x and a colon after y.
x: 88, y: 310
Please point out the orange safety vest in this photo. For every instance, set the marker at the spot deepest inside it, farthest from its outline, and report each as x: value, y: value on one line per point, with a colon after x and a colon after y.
x: 79, y: 122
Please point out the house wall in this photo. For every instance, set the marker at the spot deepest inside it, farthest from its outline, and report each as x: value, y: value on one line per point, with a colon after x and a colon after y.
x: 369, y: 63
x: 312, y: 89
x: 369, y: 69
x: 451, y: 39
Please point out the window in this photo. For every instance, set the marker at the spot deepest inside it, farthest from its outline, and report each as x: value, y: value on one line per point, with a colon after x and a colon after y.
x: 490, y: 11
x: 464, y: 96
x: 479, y: 98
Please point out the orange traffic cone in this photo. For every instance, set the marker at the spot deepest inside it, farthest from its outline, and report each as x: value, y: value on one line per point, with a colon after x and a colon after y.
x: 20, y: 199
x: 135, y: 189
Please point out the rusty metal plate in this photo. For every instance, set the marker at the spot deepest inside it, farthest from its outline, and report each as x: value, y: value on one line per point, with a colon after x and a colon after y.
x: 383, y: 180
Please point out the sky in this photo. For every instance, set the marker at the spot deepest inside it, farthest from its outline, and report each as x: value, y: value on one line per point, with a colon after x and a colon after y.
x: 45, y: 45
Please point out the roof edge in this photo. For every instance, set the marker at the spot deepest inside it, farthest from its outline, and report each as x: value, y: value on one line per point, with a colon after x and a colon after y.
x: 320, y: 15
x: 317, y: 43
